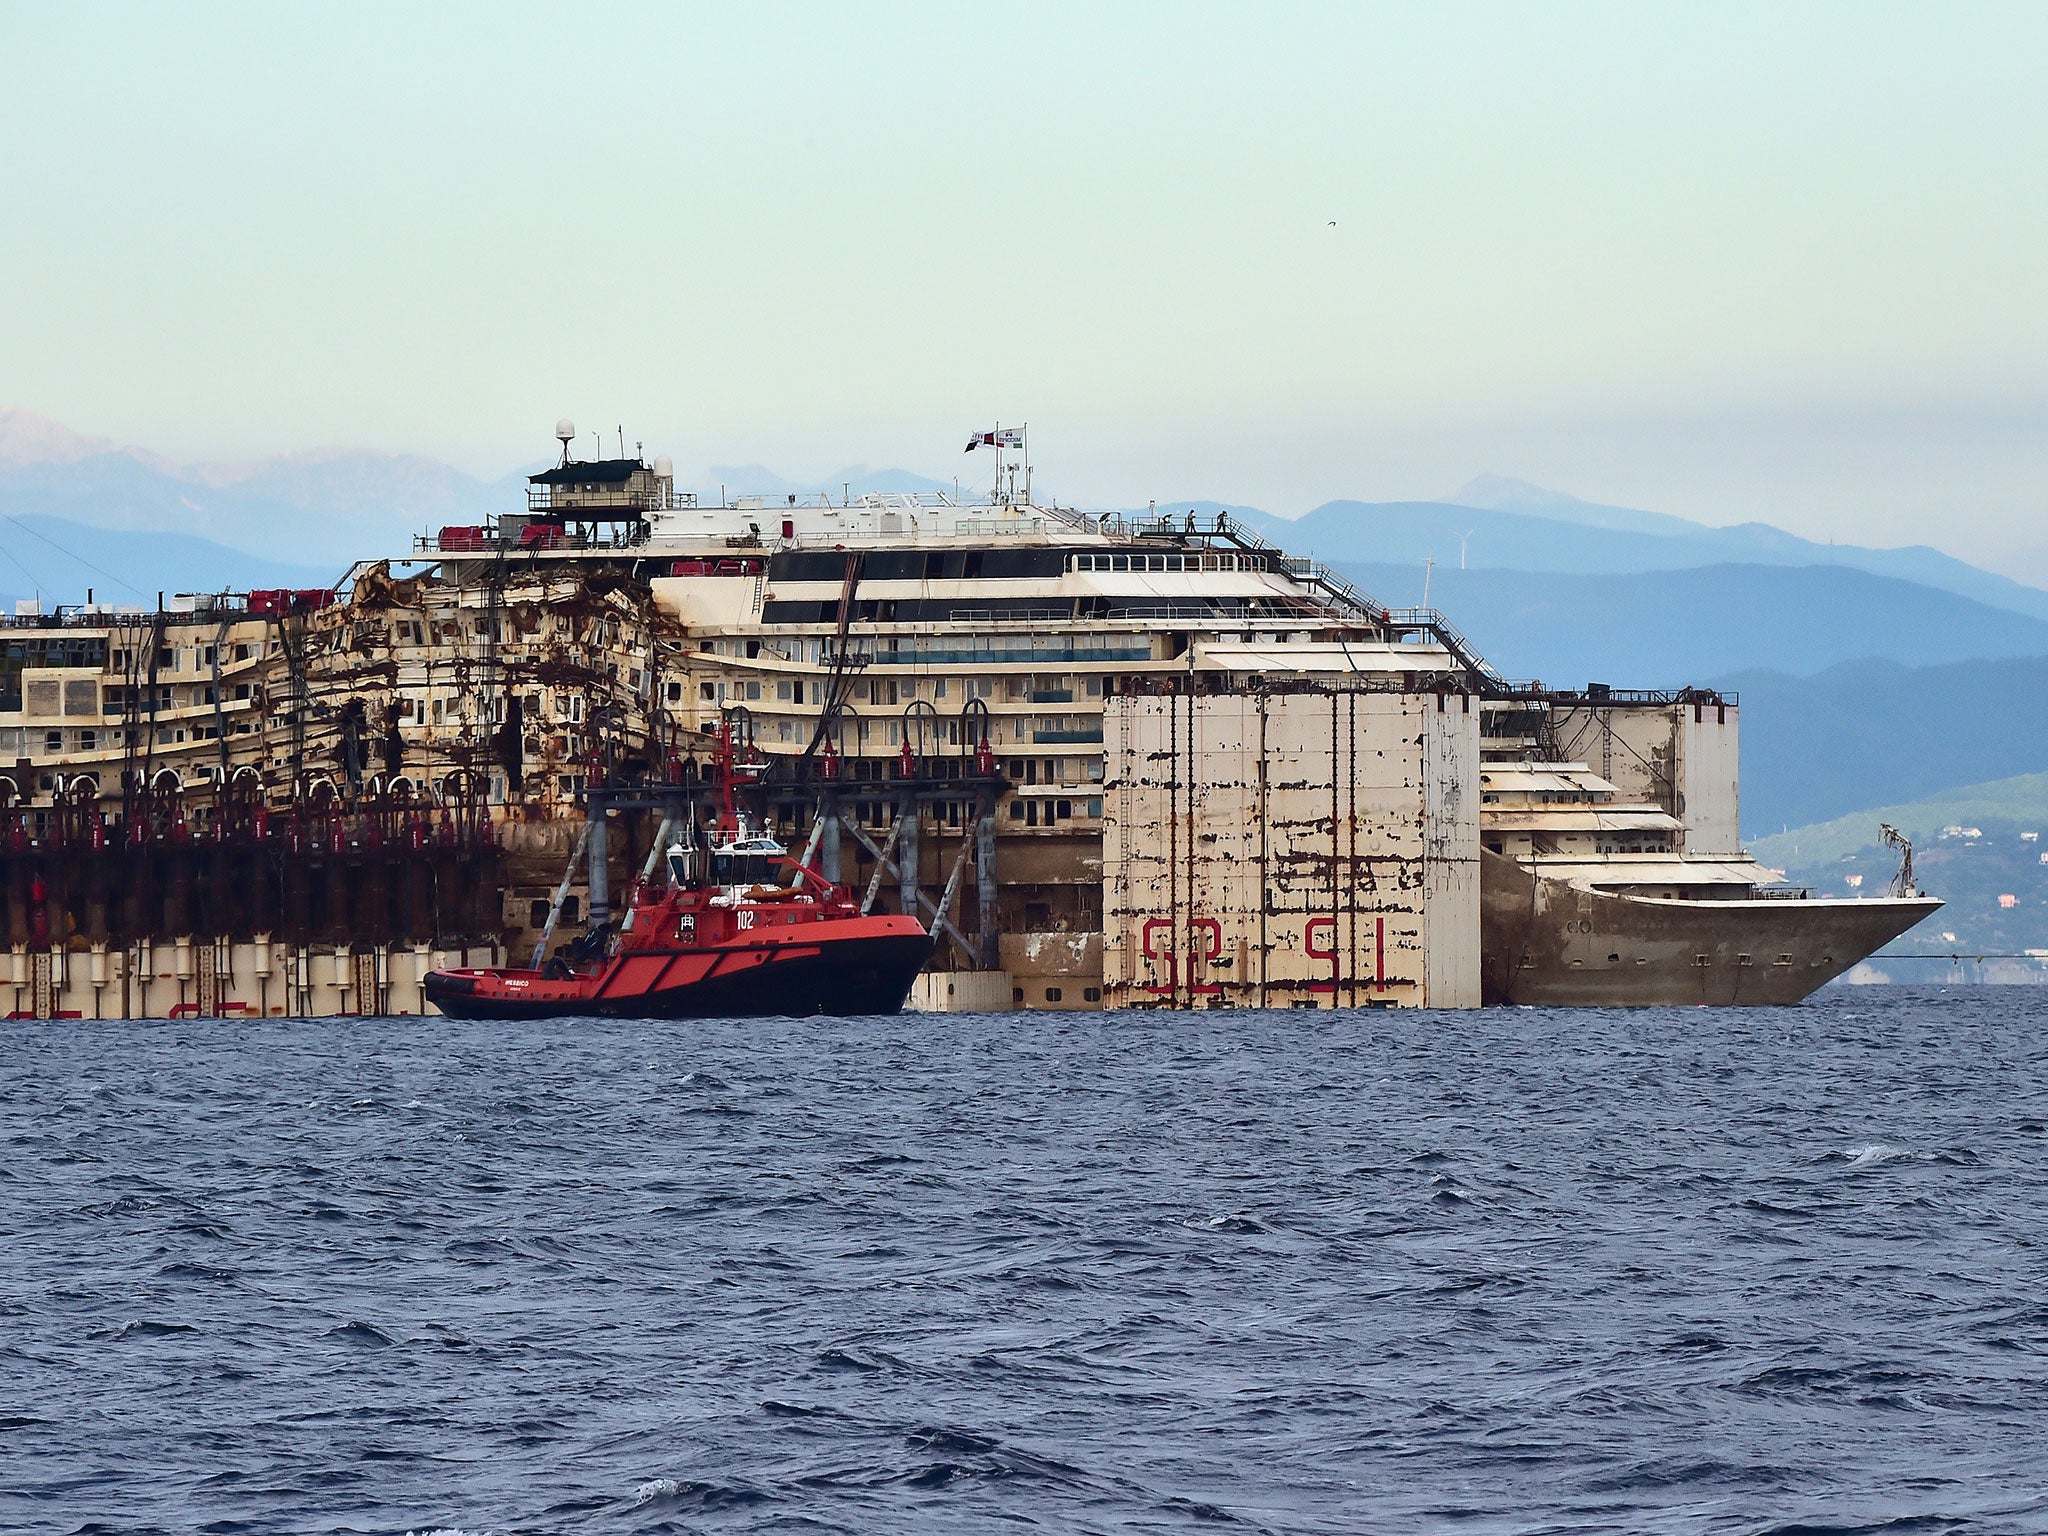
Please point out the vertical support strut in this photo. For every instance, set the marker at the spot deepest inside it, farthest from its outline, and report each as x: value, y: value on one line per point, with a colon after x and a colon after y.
x: 985, y: 883
x: 600, y: 886
x: 829, y: 853
x: 906, y: 856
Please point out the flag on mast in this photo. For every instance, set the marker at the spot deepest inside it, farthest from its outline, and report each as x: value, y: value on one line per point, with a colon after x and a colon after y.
x: 1002, y: 437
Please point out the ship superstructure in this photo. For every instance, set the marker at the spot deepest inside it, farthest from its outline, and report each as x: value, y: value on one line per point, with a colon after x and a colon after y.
x: 608, y: 631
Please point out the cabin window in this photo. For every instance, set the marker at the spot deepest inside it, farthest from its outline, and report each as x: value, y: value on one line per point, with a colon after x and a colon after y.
x: 1053, y: 994
x: 1091, y: 994
x: 743, y: 868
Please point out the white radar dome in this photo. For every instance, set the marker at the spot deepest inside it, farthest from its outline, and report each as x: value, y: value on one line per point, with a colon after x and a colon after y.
x: 664, y: 468
x: 565, y: 430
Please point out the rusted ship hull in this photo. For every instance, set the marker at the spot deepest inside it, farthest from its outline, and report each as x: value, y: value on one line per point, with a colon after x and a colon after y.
x: 1548, y: 943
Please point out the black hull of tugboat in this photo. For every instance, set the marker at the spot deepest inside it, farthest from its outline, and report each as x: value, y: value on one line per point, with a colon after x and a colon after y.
x: 842, y: 978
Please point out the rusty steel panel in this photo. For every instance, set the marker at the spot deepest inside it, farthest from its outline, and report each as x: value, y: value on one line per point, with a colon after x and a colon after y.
x: 1302, y: 848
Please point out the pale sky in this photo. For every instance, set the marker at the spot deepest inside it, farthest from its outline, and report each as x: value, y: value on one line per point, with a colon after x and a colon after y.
x: 1780, y: 261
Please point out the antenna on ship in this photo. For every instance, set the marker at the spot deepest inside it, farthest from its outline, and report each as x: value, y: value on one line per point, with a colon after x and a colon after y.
x: 565, y: 432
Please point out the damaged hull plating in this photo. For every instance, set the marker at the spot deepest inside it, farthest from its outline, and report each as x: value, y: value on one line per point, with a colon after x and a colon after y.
x: 1549, y: 943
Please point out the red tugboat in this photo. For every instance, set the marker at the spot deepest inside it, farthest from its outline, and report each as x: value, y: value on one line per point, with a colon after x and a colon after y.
x: 727, y: 938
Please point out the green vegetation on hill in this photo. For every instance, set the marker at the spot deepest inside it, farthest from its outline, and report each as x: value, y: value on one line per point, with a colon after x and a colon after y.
x: 2020, y: 802
x: 1979, y: 848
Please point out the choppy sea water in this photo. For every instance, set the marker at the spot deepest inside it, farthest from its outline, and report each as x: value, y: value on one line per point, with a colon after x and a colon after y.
x: 1683, y: 1270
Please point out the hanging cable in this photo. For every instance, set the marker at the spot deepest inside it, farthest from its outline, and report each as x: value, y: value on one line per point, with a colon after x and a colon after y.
x: 32, y: 533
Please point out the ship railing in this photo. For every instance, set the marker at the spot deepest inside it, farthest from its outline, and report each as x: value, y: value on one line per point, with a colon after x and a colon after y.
x: 1047, y: 653
x: 1430, y: 621
x: 1348, y: 599
x: 1781, y: 893
x: 1534, y: 690
x: 97, y: 616
x: 183, y: 607
x: 553, y: 500
x: 486, y: 540
x: 1015, y: 616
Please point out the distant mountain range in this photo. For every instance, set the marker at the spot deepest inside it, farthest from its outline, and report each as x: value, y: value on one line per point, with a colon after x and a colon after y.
x: 1667, y: 628
x: 1871, y: 733
x: 1497, y: 524
x: 333, y: 505
x: 59, y: 561
x: 329, y: 506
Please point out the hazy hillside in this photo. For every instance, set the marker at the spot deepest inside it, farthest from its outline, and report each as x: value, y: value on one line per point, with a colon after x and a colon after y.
x: 1667, y: 628
x: 64, y: 559
x: 1409, y: 532
x: 2021, y: 800
x: 337, y: 510
x: 1869, y: 733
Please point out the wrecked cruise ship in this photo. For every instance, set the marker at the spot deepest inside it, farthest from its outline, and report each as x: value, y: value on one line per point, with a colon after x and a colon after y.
x: 1107, y: 761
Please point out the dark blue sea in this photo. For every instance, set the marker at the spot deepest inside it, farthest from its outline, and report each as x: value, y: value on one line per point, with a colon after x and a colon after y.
x: 1685, y: 1270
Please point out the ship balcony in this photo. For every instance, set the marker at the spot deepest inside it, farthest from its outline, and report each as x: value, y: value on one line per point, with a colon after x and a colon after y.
x: 600, y: 506
x: 994, y: 656
x: 531, y: 538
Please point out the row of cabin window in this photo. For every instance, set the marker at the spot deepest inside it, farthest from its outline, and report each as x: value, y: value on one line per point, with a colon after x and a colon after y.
x: 15, y: 743
x: 1188, y: 562
x: 1046, y: 813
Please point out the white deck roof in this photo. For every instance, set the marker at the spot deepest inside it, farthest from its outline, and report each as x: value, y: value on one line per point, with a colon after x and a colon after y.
x: 1322, y: 658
